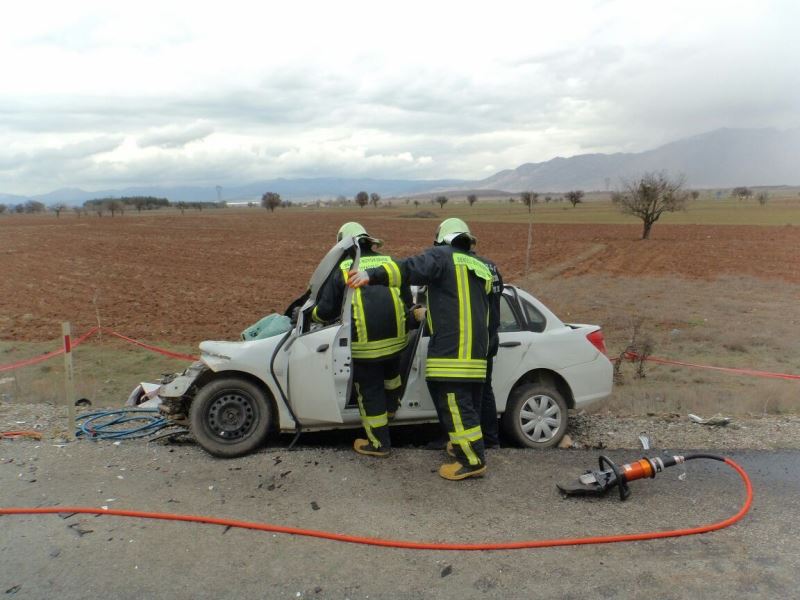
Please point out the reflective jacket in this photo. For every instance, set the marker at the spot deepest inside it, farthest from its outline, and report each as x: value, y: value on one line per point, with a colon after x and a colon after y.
x: 459, y: 285
x: 379, y: 327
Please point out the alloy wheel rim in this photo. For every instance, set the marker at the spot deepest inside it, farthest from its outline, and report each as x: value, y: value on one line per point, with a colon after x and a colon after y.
x: 540, y: 418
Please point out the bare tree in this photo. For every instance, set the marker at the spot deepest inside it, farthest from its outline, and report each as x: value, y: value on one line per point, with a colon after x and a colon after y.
x: 362, y: 199
x: 442, y: 200
x: 637, y: 351
x: 649, y: 197
x: 762, y: 198
x: 3, y: 208
x: 547, y: 199
x: 181, y: 206
x: 694, y: 194
x: 57, y: 208
x: 33, y: 206
x: 742, y: 193
x: 416, y: 202
x: 472, y: 199
x: 78, y: 211
x: 374, y: 199
x: 529, y: 199
x: 271, y: 201
x: 575, y: 197
x: 114, y: 207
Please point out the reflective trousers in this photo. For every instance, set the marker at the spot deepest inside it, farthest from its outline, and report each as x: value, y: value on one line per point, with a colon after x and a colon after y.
x: 377, y: 387
x: 455, y: 402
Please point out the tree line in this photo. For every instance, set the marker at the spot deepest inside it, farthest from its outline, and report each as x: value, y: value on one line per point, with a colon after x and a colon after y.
x: 100, y: 206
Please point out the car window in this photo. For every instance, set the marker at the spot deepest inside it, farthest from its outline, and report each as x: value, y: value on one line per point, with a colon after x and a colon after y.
x: 508, y: 320
x: 536, y: 320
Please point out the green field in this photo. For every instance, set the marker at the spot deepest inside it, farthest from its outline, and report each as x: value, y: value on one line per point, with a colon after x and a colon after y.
x: 777, y: 212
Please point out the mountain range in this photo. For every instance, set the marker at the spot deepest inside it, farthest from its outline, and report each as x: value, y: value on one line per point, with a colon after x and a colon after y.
x: 717, y: 159
x: 720, y: 158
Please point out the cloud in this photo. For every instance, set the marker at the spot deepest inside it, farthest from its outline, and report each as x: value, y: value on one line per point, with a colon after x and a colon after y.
x: 175, y: 136
x: 58, y: 155
x: 173, y: 92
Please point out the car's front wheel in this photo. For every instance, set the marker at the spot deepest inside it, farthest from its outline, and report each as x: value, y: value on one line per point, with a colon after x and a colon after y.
x: 230, y: 417
x: 536, y: 416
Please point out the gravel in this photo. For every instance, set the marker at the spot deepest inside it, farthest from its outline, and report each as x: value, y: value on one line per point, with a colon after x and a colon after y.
x: 586, y: 430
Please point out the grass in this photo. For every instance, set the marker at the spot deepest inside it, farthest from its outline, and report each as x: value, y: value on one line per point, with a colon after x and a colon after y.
x: 105, y: 371
x: 728, y: 322
x: 778, y: 212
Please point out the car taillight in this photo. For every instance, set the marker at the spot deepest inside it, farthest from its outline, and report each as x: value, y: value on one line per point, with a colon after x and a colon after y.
x: 598, y: 340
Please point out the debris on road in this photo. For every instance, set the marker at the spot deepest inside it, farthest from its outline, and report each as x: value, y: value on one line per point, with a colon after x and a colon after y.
x: 715, y: 421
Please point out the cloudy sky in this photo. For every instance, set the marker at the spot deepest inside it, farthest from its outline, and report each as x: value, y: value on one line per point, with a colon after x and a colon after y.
x: 105, y: 94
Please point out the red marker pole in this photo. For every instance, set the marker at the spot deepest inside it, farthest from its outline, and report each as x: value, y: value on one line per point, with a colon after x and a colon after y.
x: 69, y: 379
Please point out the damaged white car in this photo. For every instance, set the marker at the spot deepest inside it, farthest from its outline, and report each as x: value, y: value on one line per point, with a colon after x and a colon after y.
x: 239, y: 393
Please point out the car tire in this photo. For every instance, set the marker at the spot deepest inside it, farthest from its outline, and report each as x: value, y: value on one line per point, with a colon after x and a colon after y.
x: 230, y: 417
x: 536, y: 416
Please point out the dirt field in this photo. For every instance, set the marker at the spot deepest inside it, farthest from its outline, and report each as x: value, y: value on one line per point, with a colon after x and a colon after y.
x: 183, y: 278
x: 723, y: 295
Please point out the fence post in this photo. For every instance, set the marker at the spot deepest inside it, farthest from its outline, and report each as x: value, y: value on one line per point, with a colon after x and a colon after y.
x: 69, y: 379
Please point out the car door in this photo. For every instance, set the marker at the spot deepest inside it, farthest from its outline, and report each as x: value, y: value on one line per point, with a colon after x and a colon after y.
x: 319, y: 362
x: 515, y: 342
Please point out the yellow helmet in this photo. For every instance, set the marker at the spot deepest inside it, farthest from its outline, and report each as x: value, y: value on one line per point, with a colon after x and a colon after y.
x: 450, y: 229
x: 355, y: 230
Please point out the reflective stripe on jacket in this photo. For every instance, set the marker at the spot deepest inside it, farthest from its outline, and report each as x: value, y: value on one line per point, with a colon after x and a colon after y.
x: 379, y: 327
x: 458, y: 308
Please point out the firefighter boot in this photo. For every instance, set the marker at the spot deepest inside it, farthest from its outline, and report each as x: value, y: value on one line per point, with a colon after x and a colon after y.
x: 456, y: 471
x: 365, y: 447
x: 449, y: 449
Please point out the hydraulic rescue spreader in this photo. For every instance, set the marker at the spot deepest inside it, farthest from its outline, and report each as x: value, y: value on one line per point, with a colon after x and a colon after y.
x: 609, y: 475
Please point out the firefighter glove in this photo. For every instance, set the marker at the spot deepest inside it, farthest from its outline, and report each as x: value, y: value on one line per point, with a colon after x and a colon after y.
x: 357, y: 279
x: 419, y: 313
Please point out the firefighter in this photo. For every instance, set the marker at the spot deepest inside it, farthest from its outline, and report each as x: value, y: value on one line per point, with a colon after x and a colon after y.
x: 459, y: 285
x: 380, y: 334
x: 487, y: 408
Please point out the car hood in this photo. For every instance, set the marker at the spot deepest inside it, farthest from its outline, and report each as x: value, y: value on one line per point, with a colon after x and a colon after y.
x: 219, y: 354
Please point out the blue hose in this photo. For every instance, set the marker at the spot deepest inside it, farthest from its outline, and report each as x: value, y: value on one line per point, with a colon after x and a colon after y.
x: 111, y: 424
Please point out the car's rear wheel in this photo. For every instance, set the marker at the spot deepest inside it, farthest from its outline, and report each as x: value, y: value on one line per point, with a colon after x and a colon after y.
x: 230, y: 417
x: 536, y: 416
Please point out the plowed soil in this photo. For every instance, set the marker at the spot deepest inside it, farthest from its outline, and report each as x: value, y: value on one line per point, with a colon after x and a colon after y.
x: 208, y: 275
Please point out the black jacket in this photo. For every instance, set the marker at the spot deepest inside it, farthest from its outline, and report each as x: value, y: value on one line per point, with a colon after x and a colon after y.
x: 379, y: 328
x: 458, y: 305
x: 494, y: 305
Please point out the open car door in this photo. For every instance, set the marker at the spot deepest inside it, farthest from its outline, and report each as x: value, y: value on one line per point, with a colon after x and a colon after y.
x: 320, y: 370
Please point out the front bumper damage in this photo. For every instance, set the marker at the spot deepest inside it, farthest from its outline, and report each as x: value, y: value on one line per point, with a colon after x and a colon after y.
x: 177, y: 390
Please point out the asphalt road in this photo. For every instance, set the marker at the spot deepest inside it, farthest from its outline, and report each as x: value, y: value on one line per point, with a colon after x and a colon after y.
x: 331, y: 488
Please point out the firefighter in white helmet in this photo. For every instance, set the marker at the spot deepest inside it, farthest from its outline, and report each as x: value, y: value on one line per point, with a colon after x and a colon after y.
x: 380, y: 334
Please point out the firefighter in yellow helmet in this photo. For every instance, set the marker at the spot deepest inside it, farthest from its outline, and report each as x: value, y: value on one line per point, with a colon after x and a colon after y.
x: 459, y: 285
x: 379, y: 335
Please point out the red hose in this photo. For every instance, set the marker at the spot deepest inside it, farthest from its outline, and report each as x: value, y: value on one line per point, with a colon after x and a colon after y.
x: 339, y: 537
